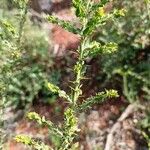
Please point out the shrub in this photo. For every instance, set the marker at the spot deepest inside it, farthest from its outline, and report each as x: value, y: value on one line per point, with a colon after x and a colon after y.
x: 10, y: 41
x: 130, y: 62
x: 22, y: 75
x: 91, y: 16
x: 26, y: 66
x: 128, y: 68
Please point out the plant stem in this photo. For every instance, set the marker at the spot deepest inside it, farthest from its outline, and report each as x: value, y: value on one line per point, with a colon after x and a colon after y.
x: 21, y: 24
x: 77, y: 90
x: 125, y: 88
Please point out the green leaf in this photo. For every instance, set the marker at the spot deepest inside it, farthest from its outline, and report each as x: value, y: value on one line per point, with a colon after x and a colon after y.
x: 99, y: 18
x: 75, y: 146
x: 34, y: 116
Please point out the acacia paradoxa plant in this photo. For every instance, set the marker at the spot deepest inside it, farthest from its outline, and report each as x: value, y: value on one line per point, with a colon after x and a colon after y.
x: 91, y: 16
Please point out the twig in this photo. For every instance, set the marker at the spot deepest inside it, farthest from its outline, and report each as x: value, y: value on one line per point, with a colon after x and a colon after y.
x: 130, y: 109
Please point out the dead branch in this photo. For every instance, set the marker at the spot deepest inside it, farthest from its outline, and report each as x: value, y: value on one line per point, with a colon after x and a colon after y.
x: 129, y: 110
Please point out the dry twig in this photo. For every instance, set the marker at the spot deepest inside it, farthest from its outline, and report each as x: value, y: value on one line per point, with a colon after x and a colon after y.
x: 129, y: 110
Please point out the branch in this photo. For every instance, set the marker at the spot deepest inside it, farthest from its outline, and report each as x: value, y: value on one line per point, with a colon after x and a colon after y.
x: 42, y: 121
x: 55, y: 89
x: 109, y: 142
x: 98, y: 98
x: 31, y: 142
x: 65, y: 24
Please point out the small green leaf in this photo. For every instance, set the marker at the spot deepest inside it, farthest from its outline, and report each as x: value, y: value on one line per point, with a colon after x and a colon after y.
x: 53, y: 88
x: 8, y: 27
x: 21, y: 3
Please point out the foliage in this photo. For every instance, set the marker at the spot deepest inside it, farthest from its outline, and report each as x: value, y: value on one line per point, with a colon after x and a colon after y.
x: 10, y: 46
x: 24, y: 87
x: 28, y: 80
x: 91, y: 16
x: 129, y: 66
x: 22, y: 75
x: 25, y: 66
x: 131, y: 61
x: 10, y: 42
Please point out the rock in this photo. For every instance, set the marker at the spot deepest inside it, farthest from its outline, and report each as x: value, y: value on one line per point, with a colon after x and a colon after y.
x: 63, y: 41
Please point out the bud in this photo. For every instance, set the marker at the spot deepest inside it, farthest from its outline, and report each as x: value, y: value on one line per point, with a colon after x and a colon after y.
x: 101, y: 12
